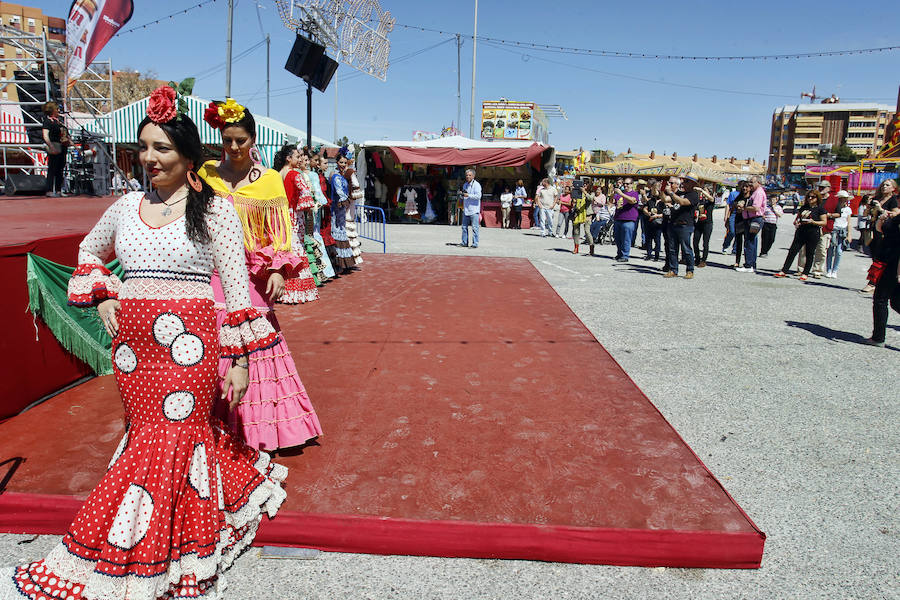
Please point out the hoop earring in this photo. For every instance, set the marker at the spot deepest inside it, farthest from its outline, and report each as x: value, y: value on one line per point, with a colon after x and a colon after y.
x: 194, y: 181
x: 255, y: 156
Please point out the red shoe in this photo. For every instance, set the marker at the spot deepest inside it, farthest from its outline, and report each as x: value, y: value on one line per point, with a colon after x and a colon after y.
x: 780, y: 274
x: 803, y: 278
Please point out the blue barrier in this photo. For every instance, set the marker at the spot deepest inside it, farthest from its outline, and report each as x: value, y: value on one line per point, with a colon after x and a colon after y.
x: 370, y: 225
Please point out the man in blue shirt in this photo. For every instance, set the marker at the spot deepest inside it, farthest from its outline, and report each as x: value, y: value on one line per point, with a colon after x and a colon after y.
x: 471, y: 208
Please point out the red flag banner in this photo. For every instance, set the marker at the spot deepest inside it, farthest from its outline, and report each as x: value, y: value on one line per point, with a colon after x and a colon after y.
x: 90, y: 25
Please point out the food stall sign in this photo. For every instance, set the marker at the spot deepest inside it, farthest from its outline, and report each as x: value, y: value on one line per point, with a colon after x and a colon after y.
x: 505, y: 120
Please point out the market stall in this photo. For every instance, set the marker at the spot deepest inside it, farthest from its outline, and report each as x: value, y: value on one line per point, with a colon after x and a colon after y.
x: 429, y: 175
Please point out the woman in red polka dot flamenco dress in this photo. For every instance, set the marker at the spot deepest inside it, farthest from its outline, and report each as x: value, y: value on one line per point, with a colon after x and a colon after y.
x: 181, y: 497
x: 276, y: 411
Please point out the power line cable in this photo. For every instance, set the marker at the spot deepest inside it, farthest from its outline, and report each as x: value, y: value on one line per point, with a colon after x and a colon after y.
x: 652, y: 56
x: 221, y: 66
x: 286, y: 91
x: 636, y: 78
x: 172, y: 16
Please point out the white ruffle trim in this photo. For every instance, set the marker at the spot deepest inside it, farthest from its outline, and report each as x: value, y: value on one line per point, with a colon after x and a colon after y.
x: 299, y: 296
x: 266, y: 498
x: 80, y: 285
x: 245, y: 334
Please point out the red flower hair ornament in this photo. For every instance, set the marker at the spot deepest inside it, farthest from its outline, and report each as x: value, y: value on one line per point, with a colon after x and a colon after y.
x: 169, y: 102
x: 211, y: 116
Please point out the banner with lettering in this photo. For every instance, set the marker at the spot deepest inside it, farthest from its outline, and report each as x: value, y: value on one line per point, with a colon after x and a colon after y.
x: 91, y: 23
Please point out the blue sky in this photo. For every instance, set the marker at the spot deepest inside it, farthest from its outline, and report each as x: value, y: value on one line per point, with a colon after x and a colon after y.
x: 611, y: 102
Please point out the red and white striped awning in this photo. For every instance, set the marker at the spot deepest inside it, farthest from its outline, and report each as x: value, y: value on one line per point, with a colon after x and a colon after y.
x: 12, y: 125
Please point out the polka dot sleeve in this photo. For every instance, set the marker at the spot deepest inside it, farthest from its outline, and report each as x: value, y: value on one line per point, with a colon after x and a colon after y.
x: 245, y: 330
x: 92, y: 282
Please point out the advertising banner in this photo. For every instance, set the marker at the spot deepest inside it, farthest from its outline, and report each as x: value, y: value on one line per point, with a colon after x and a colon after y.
x: 91, y: 23
x: 506, y: 120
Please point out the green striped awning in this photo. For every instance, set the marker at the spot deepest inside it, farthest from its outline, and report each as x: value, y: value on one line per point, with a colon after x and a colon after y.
x: 270, y: 134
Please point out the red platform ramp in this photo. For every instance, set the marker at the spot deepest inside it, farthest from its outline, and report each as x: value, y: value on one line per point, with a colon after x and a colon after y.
x: 451, y: 430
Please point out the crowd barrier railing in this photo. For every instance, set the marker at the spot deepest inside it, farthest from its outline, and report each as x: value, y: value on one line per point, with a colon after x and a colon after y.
x: 370, y: 225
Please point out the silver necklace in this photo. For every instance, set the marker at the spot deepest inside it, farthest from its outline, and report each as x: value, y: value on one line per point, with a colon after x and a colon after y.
x: 168, y: 209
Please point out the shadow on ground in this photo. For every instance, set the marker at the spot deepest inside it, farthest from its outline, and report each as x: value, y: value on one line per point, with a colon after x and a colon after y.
x: 834, y: 335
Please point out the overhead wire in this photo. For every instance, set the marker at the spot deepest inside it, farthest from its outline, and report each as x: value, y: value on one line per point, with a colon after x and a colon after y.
x: 655, y: 56
x: 286, y: 91
x: 219, y: 67
x: 636, y: 78
x: 171, y: 16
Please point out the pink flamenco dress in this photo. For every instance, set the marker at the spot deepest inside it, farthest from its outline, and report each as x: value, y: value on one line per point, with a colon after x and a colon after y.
x: 181, y: 497
x: 275, y: 412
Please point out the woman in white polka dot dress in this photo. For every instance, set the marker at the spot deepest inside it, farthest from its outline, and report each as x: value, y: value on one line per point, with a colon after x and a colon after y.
x: 181, y: 497
x: 276, y: 411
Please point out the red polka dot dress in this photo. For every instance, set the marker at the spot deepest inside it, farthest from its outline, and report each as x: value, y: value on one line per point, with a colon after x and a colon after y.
x: 181, y: 497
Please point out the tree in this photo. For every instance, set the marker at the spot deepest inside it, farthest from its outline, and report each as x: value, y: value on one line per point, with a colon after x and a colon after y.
x: 844, y: 153
x: 130, y: 86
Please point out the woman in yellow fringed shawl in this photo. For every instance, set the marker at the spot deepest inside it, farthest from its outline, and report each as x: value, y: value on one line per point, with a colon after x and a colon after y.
x: 275, y: 412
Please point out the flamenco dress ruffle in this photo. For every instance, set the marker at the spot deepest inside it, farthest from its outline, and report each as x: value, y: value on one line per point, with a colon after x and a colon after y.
x: 276, y: 411
x: 181, y: 498
x: 302, y: 287
x: 321, y: 250
x: 356, y: 200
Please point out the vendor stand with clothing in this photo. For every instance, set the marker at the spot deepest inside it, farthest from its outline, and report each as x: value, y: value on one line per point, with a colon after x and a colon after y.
x: 436, y: 170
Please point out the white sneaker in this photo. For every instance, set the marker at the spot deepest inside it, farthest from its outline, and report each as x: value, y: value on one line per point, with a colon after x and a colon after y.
x: 740, y: 269
x: 749, y: 270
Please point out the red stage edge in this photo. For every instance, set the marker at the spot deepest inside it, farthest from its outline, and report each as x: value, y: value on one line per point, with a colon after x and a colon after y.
x: 50, y: 515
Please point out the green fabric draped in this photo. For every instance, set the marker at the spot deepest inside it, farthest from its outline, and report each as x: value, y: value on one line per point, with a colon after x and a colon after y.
x: 77, y: 329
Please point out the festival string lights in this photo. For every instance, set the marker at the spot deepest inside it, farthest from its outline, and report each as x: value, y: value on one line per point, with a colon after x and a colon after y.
x: 644, y: 55
x: 172, y: 16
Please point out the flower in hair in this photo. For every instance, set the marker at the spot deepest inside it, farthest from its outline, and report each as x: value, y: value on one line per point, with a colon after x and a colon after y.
x: 230, y: 111
x: 169, y: 102
x: 161, y: 106
x: 211, y: 116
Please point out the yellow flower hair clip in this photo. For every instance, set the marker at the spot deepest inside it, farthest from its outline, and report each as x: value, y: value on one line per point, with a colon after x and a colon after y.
x: 221, y: 114
x: 230, y: 111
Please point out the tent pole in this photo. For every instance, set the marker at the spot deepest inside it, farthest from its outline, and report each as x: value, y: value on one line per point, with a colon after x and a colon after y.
x: 268, y: 71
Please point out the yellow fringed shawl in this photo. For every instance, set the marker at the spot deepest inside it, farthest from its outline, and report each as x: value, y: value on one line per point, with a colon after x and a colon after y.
x: 262, y: 207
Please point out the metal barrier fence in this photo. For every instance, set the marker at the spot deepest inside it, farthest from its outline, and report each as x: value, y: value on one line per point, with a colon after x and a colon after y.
x: 370, y: 225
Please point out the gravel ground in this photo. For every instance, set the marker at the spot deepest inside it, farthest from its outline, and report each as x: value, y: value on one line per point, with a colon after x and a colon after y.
x: 765, y: 379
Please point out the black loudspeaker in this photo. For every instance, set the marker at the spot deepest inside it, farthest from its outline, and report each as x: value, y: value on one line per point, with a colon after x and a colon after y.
x: 304, y: 58
x: 23, y: 184
x: 324, y: 72
x: 31, y: 88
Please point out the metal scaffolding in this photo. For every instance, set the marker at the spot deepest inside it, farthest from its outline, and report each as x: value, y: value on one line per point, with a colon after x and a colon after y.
x: 30, y: 67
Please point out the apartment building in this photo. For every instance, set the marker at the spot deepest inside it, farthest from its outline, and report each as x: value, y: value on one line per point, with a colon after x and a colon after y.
x: 28, y: 20
x: 799, y: 131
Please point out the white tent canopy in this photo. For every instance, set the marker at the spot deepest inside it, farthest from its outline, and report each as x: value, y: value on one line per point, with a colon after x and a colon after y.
x: 270, y: 134
x: 454, y: 141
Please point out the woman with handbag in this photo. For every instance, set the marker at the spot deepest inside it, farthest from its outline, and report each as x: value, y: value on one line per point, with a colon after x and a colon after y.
x: 886, y: 199
x: 56, y: 136
x: 809, y: 221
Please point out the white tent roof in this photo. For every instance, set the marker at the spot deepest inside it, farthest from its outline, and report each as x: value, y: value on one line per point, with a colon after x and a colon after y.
x: 270, y: 134
x: 454, y: 141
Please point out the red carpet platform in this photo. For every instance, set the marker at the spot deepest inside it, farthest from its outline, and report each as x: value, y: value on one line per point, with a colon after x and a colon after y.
x: 447, y: 433
x: 52, y: 228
